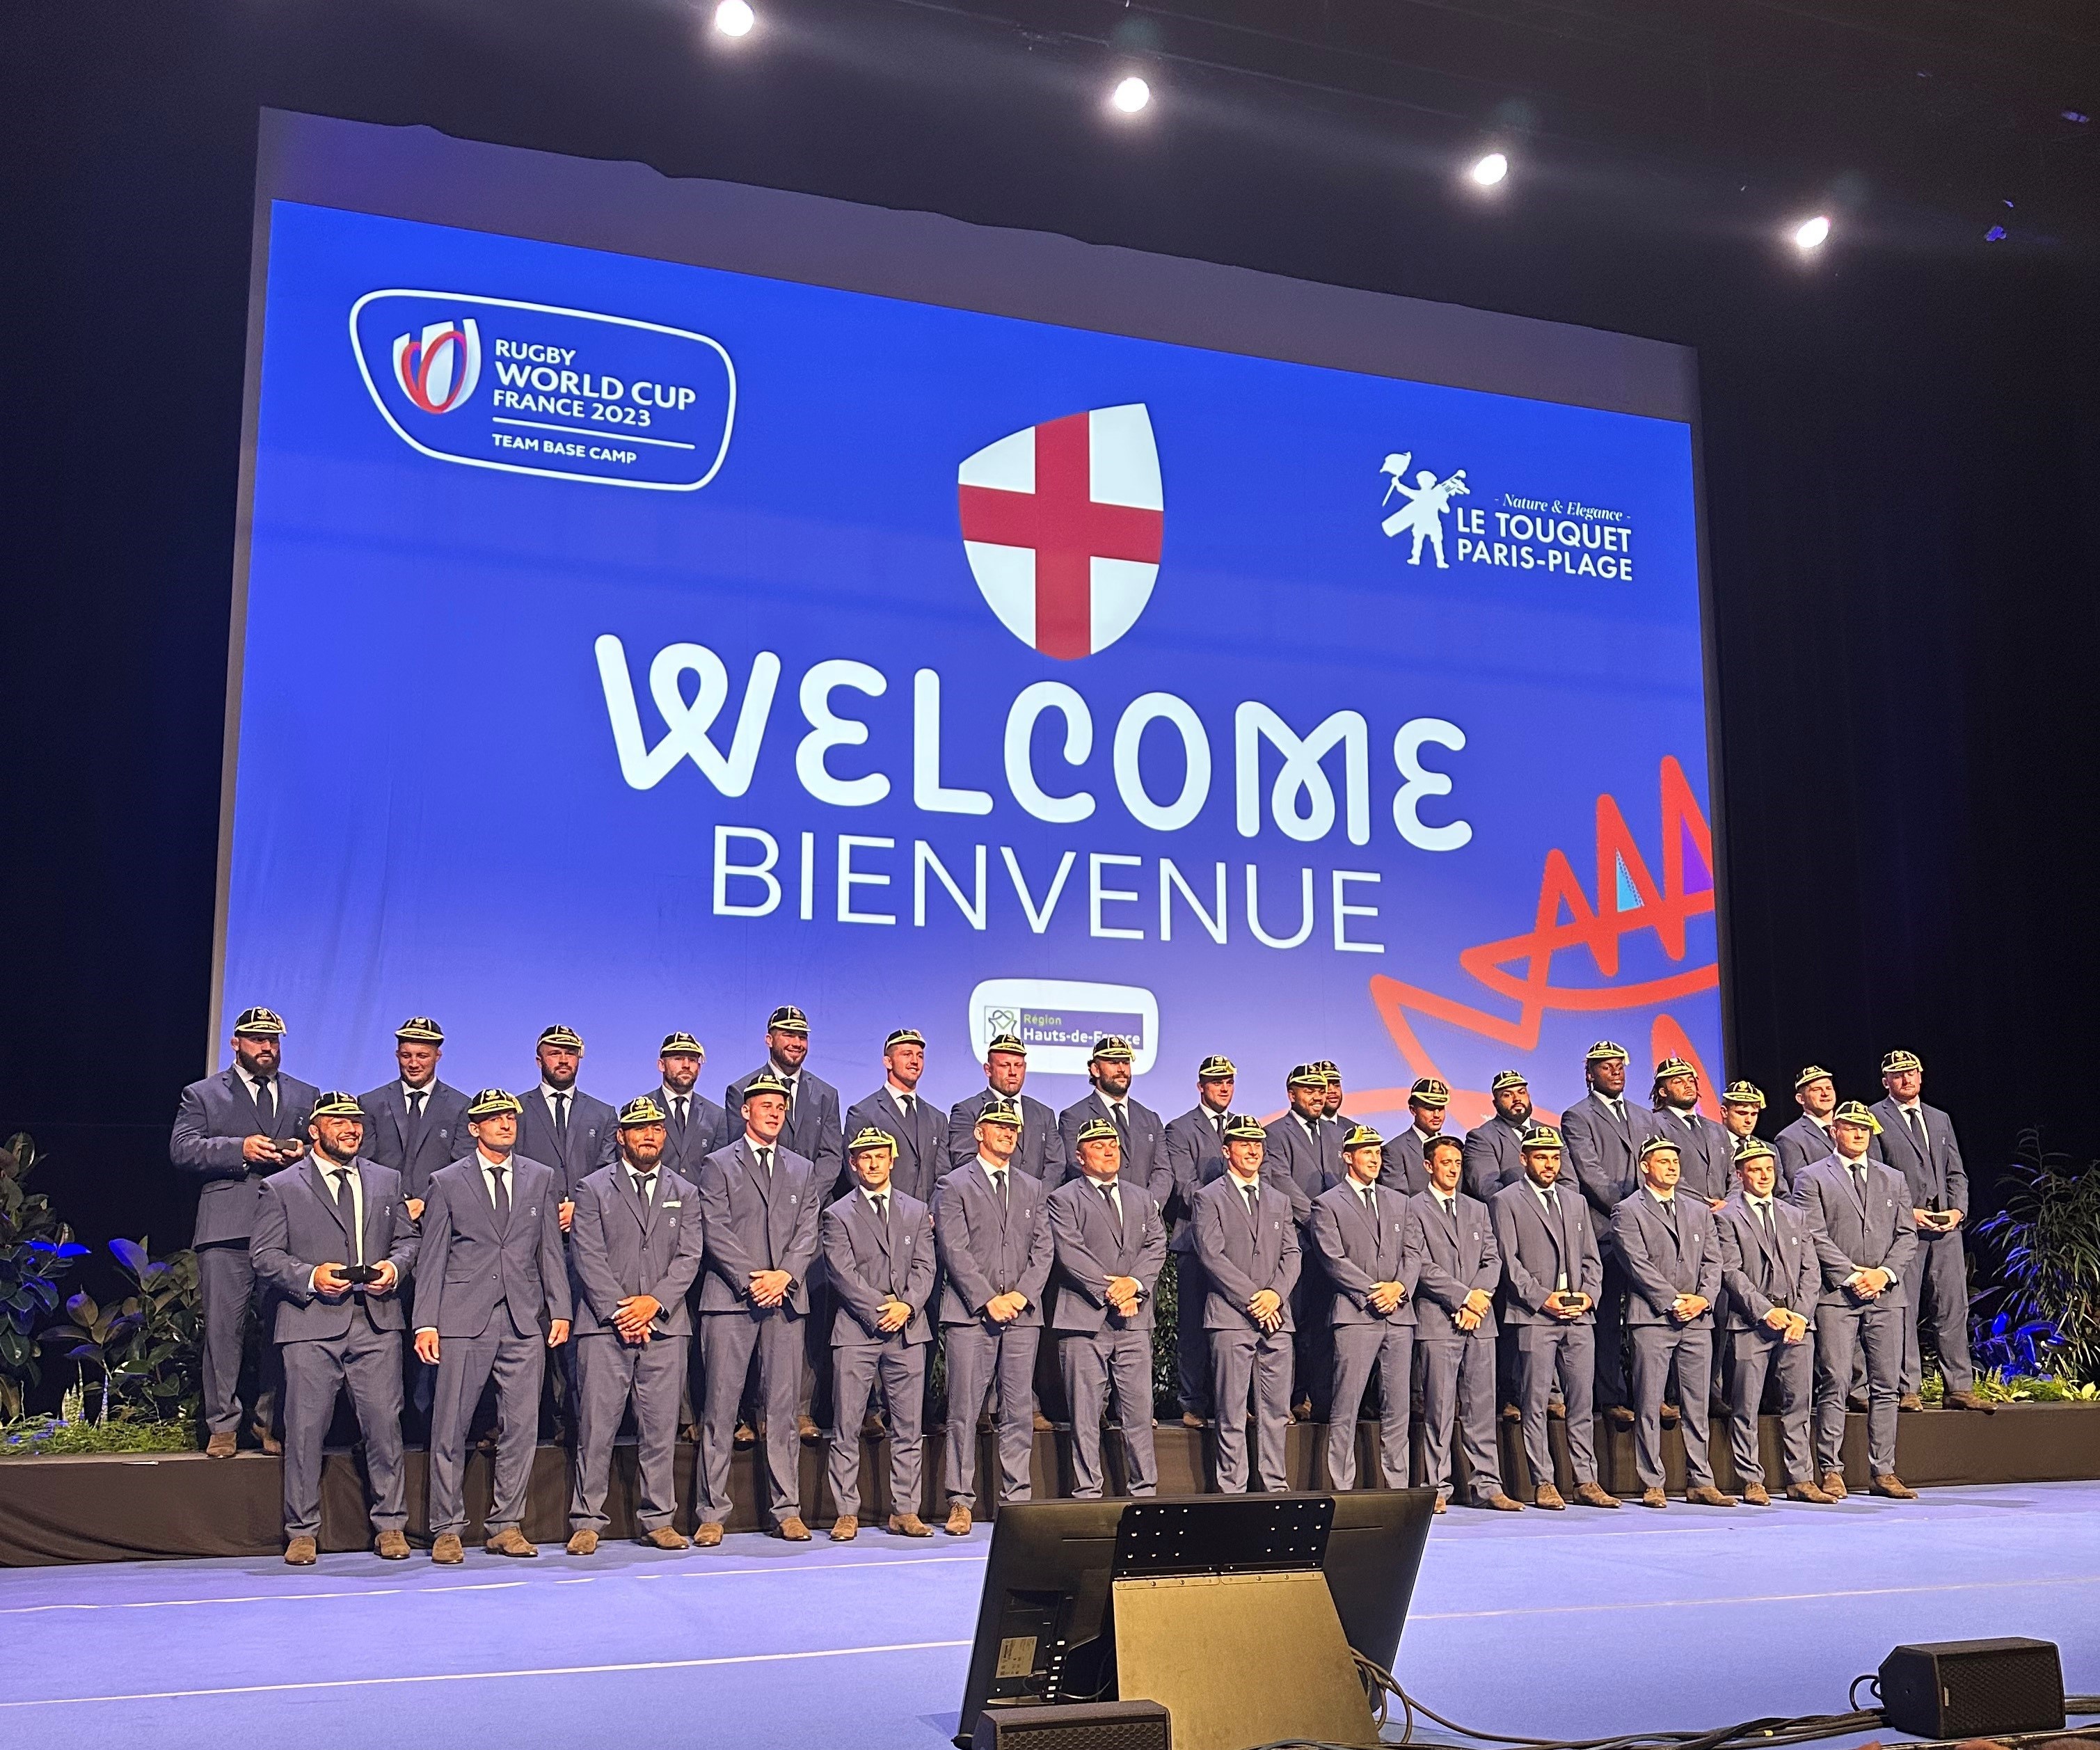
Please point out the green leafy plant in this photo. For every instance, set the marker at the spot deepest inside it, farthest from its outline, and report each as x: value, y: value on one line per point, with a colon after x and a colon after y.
x: 143, y: 1349
x: 55, y: 1436
x: 36, y: 1250
x: 2046, y: 1240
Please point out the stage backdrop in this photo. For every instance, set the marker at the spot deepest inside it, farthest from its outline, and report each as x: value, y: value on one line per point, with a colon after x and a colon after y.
x: 660, y: 601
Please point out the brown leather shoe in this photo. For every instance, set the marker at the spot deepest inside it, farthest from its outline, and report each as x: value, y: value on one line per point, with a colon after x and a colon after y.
x: 1808, y: 1491
x: 1440, y: 1503
x: 1754, y: 1495
x: 872, y: 1427
x: 910, y: 1525
x: 222, y: 1445
x: 1497, y: 1502
x: 1705, y: 1495
x: 689, y: 1433
x: 1653, y: 1497
x: 1968, y: 1400
x: 706, y: 1537
x: 1856, y: 1404
x: 1547, y: 1496
x: 584, y: 1542
x: 792, y: 1530
x: 1670, y: 1417
x: 746, y: 1435
x: 844, y: 1528
x: 958, y: 1520
x: 272, y: 1447
x: 663, y: 1537
x: 300, y: 1552
x: 807, y: 1431
x: 390, y: 1546
x: 1190, y: 1419
x: 510, y: 1541
x: 1555, y: 1410
x: 1910, y: 1402
x: 1834, y: 1485
x: 1511, y: 1413
x: 446, y: 1552
x: 1593, y: 1495
x: 1042, y: 1423
x: 1302, y: 1410
x: 1619, y: 1416
x: 1893, y: 1486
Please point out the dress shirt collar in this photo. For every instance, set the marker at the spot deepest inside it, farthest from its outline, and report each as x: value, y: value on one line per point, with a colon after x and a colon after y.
x: 550, y: 1093
x: 1241, y: 1184
x: 1447, y: 1201
x: 992, y: 1169
x: 247, y: 1080
x: 1763, y: 1205
x: 1661, y: 1202
x: 409, y: 1091
x: 638, y: 1173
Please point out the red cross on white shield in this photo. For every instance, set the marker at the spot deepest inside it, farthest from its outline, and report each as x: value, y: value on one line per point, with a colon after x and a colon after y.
x: 1062, y: 523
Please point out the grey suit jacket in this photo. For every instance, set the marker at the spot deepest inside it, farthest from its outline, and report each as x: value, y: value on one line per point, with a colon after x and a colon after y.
x: 1706, y: 1152
x: 757, y: 1221
x: 922, y: 1145
x: 985, y: 1251
x: 1605, y: 1153
x: 1758, y: 1275
x: 386, y: 1139
x: 299, y: 1227
x: 868, y: 1263
x: 1089, y: 1251
x: 1402, y: 1167
x: 1040, y: 1152
x: 1877, y: 1232
x: 1660, y: 1265
x: 1358, y: 1250
x: 1449, y: 1267
x: 619, y: 1246
x: 812, y: 1131
x: 1537, y: 1252
x: 707, y: 1128
x: 1313, y: 1166
x: 593, y: 1136
x: 1938, y: 1174
x: 1242, y: 1255
x: 1194, y: 1157
x: 468, y: 1266
x: 1144, y: 1154
x: 1801, y: 1141
x: 1492, y: 1159
x: 214, y: 1118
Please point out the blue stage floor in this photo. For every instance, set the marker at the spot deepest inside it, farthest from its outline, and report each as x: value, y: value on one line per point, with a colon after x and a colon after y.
x: 1552, y: 1624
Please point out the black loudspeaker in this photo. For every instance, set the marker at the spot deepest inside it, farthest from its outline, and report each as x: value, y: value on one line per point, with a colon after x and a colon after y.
x: 1974, y: 1689
x: 1075, y: 1725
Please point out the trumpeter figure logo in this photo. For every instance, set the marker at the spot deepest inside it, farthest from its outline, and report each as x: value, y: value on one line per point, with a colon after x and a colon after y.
x: 1428, y: 500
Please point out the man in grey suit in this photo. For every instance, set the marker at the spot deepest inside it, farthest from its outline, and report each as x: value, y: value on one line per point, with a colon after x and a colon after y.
x: 1705, y: 1152
x: 415, y: 1123
x: 1109, y: 1245
x: 1451, y: 1250
x: 1195, y: 1156
x: 694, y: 1126
x: 332, y: 1239
x: 635, y: 1244
x: 492, y: 1296
x: 761, y: 1201
x: 1494, y: 1153
x: 1332, y: 1107
x: 1039, y: 1153
x: 1552, y: 1273
x: 992, y: 1236
x: 1918, y: 1141
x: 919, y: 1128
x: 1603, y: 1133
x: 1140, y: 1130
x: 1770, y: 1270
x: 1860, y: 1217
x: 1428, y: 1105
x: 1742, y: 1105
x: 879, y: 1253
x: 1807, y: 1139
x: 1665, y: 1241
x: 1360, y: 1229
x: 1303, y: 1153
x: 232, y: 1131
x: 1247, y: 1240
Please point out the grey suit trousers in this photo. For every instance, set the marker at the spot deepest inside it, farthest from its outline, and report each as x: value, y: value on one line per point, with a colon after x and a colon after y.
x: 977, y: 1359
x: 1192, y: 1343
x: 728, y: 1340
x: 902, y: 1369
x: 1094, y: 1364
x: 1937, y: 1295
x: 1458, y: 1379
x: 227, y: 1289
x: 609, y: 1373
x: 1245, y: 1364
x: 1842, y: 1332
x: 368, y: 1362
x: 1566, y: 1355
x: 1754, y: 1356
x: 1388, y: 1349
x: 518, y: 1361
x: 1658, y: 1349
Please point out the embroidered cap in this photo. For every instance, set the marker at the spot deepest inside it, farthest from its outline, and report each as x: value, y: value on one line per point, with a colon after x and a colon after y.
x: 1363, y: 1136
x: 1898, y: 1062
x: 1111, y: 1048
x: 1673, y: 1066
x: 1605, y: 1051
x: 641, y: 1109
x: 1812, y: 1072
x: 904, y: 1036
x: 1306, y: 1075
x: 1755, y: 1148
x: 1656, y: 1144
x: 765, y: 1082
x: 1244, y: 1127
x: 259, y: 1023
x: 787, y: 1019
x: 1000, y: 1112
x: 491, y: 1100
x: 335, y: 1104
x: 1429, y: 1092
x: 1853, y: 1112
x: 1506, y: 1079
x: 1744, y: 1094
x: 1098, y: 1130
x: 1215, y: 1069
x: 871, y: 1138
x: 680, y: 1045
x: 1007, y: 1041
x: 567, y: 1038
x: 420, y: 1029
x: 1545, y: 1136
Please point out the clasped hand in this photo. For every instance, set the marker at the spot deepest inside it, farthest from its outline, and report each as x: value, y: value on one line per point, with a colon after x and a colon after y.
x: 769, y: 1287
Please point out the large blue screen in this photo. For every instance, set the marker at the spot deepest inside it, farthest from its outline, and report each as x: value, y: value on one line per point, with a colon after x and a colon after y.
x: 639, y: 645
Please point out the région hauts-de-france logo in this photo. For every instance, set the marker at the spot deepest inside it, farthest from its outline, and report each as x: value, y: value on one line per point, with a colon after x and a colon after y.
x: 1428, y: 501
x: 438, y: 370
x: 1062, y: 523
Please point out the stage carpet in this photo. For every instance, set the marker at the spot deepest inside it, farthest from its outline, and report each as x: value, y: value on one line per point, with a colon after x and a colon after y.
x: 1563, y: 1624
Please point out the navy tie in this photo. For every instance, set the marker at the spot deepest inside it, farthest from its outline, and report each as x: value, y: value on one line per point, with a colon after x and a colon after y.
x: 502, y: 1199
x: 562, y: 1119
x: 346, y: 1203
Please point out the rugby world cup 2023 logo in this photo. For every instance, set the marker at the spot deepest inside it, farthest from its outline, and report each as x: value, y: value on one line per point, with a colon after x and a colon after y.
x: 437, y: 370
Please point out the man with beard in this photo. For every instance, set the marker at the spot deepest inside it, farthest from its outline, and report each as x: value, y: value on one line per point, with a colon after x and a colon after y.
x: 693, y: 1125
x: 1494, y: 1155
x: 1303, y: 1154
x: 1704, y: 1150
x: 1138, y: 1127
x: 1428, y: 1104
x: 1195, y: 1156
x: 1335, y: 1116
x: 570, y: 1131
x: 1603, y: 1134
x: 415, y: 1123
x: 1039, y: 1151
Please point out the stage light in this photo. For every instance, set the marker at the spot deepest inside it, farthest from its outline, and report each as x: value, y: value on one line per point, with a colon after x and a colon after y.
x: 1489, y: 171
x: 1131, y: 95
x: 1810, y: 234
x: 734, y: 18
